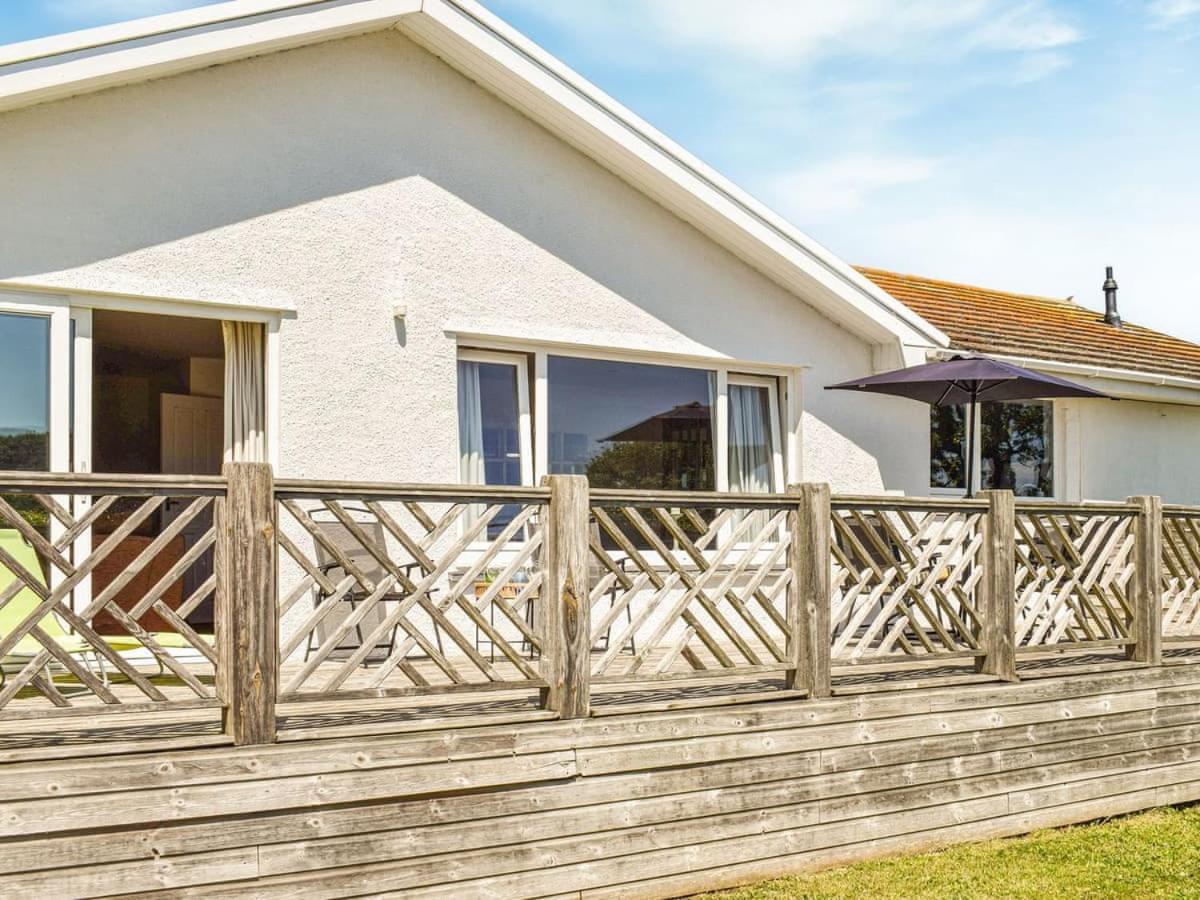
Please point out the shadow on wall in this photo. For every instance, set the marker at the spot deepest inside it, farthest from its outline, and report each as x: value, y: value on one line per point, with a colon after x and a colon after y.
x: 93, y: 179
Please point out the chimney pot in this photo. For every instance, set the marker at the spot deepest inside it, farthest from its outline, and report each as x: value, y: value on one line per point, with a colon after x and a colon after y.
x: 1111, y: 316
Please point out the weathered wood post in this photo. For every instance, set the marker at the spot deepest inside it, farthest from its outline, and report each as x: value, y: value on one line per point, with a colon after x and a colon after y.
x: 1146, y: 593
x: 809, y: 595
x: 566, y: 610
x: 998, y: 587
x: 247, y: 630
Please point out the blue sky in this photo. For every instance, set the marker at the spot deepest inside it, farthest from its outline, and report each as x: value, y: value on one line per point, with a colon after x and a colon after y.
x: 1020, y: 145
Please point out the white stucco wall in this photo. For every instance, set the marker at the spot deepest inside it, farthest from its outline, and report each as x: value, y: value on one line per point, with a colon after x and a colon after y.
x: 1136, y: 447
x: 347, y: 177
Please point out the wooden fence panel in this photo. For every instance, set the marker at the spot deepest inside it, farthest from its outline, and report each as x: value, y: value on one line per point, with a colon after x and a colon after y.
x: 106, y: 591
x: 1181, y: 574
x: 688, y: 587
x: 1075, y: 568
x: 386, y: 590
x: 906, y: 579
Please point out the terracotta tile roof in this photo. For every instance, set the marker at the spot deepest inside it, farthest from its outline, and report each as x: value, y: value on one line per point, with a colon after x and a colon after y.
x: 988, y: 321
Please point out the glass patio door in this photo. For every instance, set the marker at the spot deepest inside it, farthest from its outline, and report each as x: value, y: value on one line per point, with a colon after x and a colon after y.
x: 45, y: 364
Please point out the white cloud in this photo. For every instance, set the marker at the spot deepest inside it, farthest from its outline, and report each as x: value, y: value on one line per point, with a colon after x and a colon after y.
x: 1036, y: 66
x: 1029, y: 26
x: 1165, y: 13
x: 796, y: 33
x: 87, y: 11
x: 845, y: 184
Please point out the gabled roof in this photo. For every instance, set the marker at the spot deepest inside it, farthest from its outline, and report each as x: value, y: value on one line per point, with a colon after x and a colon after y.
x: 1003, y: 323
x: 502, y: 61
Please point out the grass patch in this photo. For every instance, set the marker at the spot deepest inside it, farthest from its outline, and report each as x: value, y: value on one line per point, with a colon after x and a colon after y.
x: 1153, y: 854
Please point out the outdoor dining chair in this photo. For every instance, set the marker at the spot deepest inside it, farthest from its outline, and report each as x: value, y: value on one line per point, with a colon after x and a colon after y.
x: 337, y: 534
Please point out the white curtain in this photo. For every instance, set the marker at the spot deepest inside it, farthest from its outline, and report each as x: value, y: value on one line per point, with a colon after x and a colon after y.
x: 470, y: 425
x: 245, y: 392
x: 751, y: 468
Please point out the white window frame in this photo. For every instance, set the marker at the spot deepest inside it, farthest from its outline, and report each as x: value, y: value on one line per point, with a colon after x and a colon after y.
x: 57, y: 311
x: 1057, y: 456
x: 520, y: 362
x: 772, y: 387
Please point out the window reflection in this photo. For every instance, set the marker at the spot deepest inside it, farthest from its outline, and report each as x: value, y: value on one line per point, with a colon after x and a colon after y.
x: 631, y: 425
x: 1015, y: 448
x: 25, y: 404
x: 947, y: 443
x: 25, y: 399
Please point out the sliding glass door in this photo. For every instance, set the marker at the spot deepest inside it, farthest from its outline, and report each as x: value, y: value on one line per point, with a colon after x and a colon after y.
x: 45, y: 364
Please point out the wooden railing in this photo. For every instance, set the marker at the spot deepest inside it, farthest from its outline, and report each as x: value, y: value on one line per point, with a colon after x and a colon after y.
x: 103, y: 586
x: 393, y: 590
x: 243, y: 593
x: 1181, y: 573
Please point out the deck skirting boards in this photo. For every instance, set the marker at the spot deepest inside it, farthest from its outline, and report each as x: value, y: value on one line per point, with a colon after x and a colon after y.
x: 652, y: 804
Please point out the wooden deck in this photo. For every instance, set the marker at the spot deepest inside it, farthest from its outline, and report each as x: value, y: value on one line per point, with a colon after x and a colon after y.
x: 493, y: 800
x: 605, y: 694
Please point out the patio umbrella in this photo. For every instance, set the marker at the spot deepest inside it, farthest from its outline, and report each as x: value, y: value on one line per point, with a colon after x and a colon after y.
x: 967, y: 380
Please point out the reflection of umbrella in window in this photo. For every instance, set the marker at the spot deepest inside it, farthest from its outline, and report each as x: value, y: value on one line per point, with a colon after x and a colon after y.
x: 967, y: 380
x: 684, y: 434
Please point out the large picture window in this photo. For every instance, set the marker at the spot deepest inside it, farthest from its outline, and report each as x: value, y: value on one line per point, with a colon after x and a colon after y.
x: 1015, y: 448
x: 624, y: 424
x: 632, y: 425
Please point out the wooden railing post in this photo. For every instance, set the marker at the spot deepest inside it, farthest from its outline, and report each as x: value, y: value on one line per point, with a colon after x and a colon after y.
x: 565, y: 607
x: 997, y: 588
x: 809, y: 594
x: 247, y: 629
x: 1147, y: 583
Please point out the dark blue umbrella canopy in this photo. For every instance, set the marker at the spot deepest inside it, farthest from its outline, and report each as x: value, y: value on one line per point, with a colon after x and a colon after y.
x: 967, y: 379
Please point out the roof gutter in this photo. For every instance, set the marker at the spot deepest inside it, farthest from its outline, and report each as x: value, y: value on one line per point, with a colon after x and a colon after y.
x: 143, y: 29
x: 1087, y: 370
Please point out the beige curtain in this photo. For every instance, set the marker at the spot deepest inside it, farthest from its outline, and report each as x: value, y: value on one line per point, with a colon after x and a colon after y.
x: 245, y: 395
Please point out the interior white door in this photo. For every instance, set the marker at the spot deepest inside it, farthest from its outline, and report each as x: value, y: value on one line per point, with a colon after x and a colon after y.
x: 193, y: 434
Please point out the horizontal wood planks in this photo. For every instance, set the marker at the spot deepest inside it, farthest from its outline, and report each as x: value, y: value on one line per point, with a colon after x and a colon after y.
x: 645, y: 804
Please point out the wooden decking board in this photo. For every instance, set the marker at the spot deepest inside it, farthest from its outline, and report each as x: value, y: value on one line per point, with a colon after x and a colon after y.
x: 478, y: 825
x: 632, y: 804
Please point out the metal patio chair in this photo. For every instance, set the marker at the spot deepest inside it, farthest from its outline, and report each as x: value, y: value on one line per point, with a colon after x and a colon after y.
x: 348, y: 545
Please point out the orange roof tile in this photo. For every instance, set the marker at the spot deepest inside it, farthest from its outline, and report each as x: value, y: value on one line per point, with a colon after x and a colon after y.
x: 988, y: 321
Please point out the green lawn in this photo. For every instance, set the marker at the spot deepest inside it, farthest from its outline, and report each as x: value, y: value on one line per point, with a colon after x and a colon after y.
x: 1154, y: 854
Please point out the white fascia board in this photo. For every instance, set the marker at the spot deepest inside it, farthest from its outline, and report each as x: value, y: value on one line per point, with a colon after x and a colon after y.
x: 500, y: 59
x: 130, y: 302
x: 1126, y: 383
x: 66, y: 65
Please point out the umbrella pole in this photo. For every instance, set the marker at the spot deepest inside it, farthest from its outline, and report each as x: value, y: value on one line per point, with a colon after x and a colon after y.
x: 971, y: 444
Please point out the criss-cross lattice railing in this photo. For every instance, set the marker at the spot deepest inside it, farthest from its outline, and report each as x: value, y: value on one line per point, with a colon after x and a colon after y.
x: 687, y: 587
x: 1074, y: 570
x: 1181, y: 573
x: 106, y: 590
x: 905, y: 579
x: 391, y: 591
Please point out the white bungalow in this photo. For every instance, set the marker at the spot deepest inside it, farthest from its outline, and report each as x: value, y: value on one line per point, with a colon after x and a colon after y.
x: 440, y: 254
